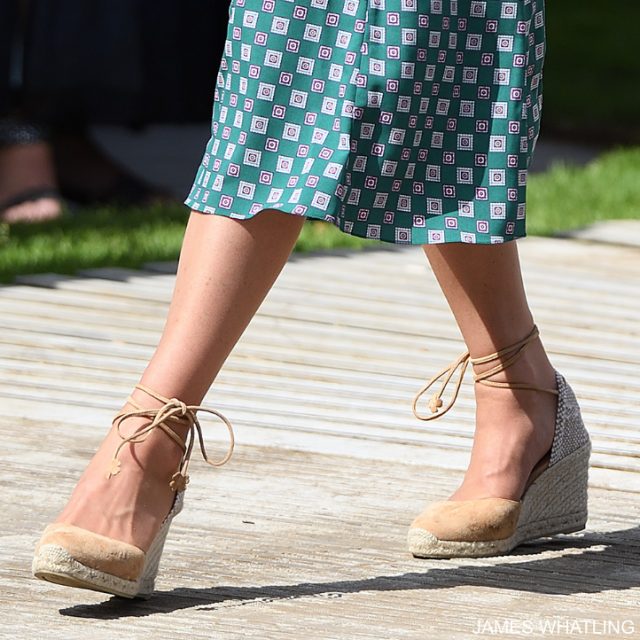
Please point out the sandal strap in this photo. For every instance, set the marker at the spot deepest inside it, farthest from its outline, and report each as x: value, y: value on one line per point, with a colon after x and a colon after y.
x: 506, y: 357
x: 171, y: 410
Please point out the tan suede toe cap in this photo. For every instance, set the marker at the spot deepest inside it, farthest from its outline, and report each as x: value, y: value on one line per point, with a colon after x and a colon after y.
x: 93, y: 550
x: 470, y: 520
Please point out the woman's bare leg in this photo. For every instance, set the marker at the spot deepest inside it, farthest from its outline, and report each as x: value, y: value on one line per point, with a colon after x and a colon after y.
x: 226, y: 268
x: 514, y: 428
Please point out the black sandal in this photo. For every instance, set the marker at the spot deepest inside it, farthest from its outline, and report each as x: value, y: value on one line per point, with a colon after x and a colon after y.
x: 14, y: 133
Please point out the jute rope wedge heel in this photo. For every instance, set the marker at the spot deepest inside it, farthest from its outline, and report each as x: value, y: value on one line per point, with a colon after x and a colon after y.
x: 77, y: 557
x: 555, y: 495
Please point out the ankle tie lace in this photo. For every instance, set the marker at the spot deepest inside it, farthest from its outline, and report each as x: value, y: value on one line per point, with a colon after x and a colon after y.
x: 172, y: 410
x: 507, y: 356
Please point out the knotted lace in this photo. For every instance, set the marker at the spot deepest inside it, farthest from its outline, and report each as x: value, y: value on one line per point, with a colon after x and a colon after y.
x: 172, y: 410
x: 507, y: 356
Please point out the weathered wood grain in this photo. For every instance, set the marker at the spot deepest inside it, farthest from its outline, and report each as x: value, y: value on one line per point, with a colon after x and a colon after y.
x: 302, y: 534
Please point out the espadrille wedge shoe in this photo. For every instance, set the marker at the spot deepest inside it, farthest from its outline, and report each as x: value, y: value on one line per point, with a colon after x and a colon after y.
x: 555, y: 495
x: 77, y: 557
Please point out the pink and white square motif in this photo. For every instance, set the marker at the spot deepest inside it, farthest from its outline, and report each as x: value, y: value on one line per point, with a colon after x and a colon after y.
x: 332, y: 19
x: 419, y: 221
x: 360, y: 26
x: 498, y: 210
x: 300, y: 12
x: 466, y: 208
x: 434, y: 206
x: 226, y: 202
x: 404, y: 104
x: 371, y: 182
x: 393, y: 52
x: 373, y: 231
x: 265, y: 177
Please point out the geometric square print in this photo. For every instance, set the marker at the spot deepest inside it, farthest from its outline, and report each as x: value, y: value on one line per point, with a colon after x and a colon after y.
x: 409, y: 122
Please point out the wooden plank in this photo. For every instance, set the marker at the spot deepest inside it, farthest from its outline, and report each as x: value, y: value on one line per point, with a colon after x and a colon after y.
x: 321, y: 546
x: 303, y: 532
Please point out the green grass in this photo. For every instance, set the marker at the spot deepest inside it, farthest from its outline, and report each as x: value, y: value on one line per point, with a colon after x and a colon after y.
x: 563, y: 198
x: 120, y: 237
x: 568, y: 197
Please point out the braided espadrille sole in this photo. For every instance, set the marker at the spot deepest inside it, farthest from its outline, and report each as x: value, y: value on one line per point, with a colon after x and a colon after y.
x: 54, y: 563
x: 555, y: 503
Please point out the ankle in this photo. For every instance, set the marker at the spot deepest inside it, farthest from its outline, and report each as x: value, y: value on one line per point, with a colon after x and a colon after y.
x: 143, y: 403
x: 155, y: 454
x: 532, y: 367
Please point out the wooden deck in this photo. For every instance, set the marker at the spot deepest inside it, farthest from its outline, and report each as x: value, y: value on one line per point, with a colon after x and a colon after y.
x: 302, y: 534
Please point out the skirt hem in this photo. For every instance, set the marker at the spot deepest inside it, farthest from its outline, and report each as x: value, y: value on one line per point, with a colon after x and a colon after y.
x: 412, y: 236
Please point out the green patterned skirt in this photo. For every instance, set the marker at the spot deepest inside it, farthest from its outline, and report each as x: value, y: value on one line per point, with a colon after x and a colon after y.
x: 407, y: 121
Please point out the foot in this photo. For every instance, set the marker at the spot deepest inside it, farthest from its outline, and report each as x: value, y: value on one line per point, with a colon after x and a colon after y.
x: 514, y: 429
x: 28, y: 169
x: 131, y: 505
